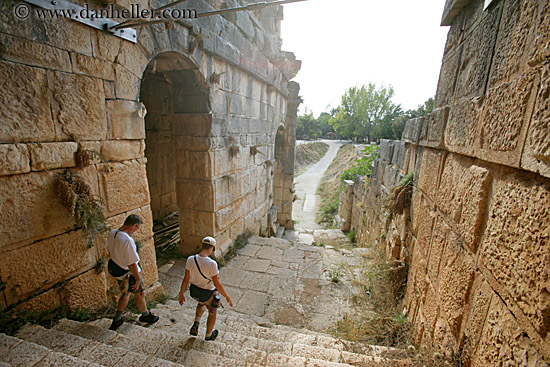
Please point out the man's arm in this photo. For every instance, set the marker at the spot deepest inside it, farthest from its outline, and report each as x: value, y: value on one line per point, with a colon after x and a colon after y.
x: 184, y: 286
x: 134, y: 270
x: 220, y: 289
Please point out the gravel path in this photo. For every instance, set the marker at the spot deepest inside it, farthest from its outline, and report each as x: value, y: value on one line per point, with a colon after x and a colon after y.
x: 305, y: 208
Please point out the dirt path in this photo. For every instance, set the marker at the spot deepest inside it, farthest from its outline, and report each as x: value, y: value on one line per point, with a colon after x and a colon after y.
x: 306, y: 206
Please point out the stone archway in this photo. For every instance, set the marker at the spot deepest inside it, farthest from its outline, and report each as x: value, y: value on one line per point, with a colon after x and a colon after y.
x: 178, y: 129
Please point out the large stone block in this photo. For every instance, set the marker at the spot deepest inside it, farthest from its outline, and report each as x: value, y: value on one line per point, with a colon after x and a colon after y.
x: 31, y: 268
x: 34, y: 53
x: 536, y: 154
x: 87, y: 290
x: 503, y: 339
x: 124, y: 186
x: 504, y: 120
x: 121, y: 150
x: 197, y: 195
x: 92, y: 66
x: 132, y: 58
x: 74, y: 119
x: 199, y: 125
x: 14, y: 159
x: 52, y: 155
x: 126, y: 84
x: 193, y: 165
x: 463, y: 196
x: 515, y: 247
x: 477, y: 52
x: 148, y: 263
x: 68, y: 35
x: 105, y: 46
x: 43, y: 302
x: 433, y: 129
x: 482, y: 296
x: 539, y: 50
x: 447, y: 79
x: 462, y: 133
x: 427, y: 172
x: 197, y: 223
x: 25, y: 112
x: 413, y: 127
x: 28, y: 203
x: 510, y: 52
x: 455, y: 283
x: 399, y: 155
x: 441, y: 234
x: 385, y: 152
x: 125, y: 120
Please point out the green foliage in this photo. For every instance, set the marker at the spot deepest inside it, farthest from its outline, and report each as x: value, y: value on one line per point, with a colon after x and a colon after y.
x: 336, y: 273
x: 139, y: 245
x: 351, y: 235
x: 362, y: 166
x: 100, y: 264
x: 308, y: 127
x: 363, y: 109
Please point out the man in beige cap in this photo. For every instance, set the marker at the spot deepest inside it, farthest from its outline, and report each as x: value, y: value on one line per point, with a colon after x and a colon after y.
x: 202, y: 272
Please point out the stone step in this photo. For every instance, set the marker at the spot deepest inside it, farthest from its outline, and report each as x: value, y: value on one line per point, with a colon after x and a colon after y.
x: 175, y: 318
x: 92, y: 351
x: 231, y: 343
x: 280, y: 232
x: 16, y: 352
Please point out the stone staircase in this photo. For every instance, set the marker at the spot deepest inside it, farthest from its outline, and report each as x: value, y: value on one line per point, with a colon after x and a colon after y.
x: 245, y: 339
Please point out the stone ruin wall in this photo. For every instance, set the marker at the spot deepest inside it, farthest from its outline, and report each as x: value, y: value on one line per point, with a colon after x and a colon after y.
x: 207, y: 85
x: 476, y: 236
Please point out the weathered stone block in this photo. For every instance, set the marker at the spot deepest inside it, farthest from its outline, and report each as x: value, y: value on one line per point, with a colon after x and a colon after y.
x: 481, y: 300
x: 536, y: 155
x: 193, y: 165
x: 447, y: 78
x: 430, y: 310
x: 385, y: 152
x: 26, y: 114
x: 455, y: 283
x: 27, y: 203
x: 433, y: 129
x: 132, y: 58
x: 14, y: 159
x: 52, y: 155
x: 463, y: 196
x: 539, y: 48
x: 148, y: 263
x: 441, y: 234
x: 77, y: 120
x: 462, y: 133
x: 413, y: 127
x: 504, y: 340
x: 34, y: 53
x: 29, y: 268
x: 92, y: 66
x: 477, y: 52
x: 197, y: 195
x: 124, y: 186
x: 87, y: 290
x: 105, y: 46
x: 427, y: 172
x: 192, y: 124
x: 504, y: 119
x: 42, y: 302
x: 121, y: 150
x: 423, y: 219
x: 126, y: 84
x: 515, y: 246
x: 125, y: 120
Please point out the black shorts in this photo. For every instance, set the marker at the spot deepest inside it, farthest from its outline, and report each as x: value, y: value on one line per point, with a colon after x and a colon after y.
x: 200, y: 294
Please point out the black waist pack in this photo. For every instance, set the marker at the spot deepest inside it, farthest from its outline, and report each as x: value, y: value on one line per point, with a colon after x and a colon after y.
x: 116, y: 270
x: 200, y: 294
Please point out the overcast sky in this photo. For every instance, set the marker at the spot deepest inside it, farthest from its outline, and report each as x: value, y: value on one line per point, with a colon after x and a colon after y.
x: 345, y: 43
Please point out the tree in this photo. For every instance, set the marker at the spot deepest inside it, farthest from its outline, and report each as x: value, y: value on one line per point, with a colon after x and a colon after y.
x: 305, y: 126
x: 362, y: 109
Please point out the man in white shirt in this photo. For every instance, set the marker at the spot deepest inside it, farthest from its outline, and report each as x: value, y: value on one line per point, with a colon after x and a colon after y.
x: 123, y: 265
x: 202, y: 272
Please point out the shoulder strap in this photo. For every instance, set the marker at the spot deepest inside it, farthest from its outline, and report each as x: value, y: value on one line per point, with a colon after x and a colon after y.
x: 197, y: 263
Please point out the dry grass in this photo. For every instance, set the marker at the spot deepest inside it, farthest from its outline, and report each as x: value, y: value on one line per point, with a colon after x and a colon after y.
x: 308, y: 154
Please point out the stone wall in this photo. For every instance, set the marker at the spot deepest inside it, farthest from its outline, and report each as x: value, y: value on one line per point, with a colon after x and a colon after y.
x: 185, y: 119
x: 476, y: 234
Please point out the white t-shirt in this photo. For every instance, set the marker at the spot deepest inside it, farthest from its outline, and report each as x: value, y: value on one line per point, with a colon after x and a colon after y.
x: 208, y: 267
x: 122, y: 249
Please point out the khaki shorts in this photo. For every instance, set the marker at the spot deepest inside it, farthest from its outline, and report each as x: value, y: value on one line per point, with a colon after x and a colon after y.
x: 125, y: 284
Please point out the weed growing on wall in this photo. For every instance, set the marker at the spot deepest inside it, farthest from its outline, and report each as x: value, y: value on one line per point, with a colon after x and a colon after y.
x: 401, y: 195
x: 86, y: 208
x: 363, y: 166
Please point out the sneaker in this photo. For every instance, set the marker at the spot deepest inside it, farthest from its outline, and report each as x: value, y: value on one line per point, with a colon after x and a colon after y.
x: 150, y: 319
x: 213, y: 336
x: 116, y: 324
x: 194, y: 329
